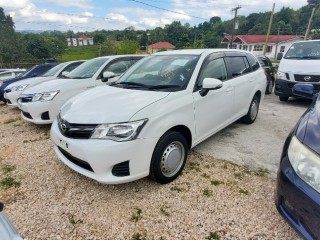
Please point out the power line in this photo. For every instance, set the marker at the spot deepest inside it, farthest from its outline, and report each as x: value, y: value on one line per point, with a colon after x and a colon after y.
x: 167, y: 10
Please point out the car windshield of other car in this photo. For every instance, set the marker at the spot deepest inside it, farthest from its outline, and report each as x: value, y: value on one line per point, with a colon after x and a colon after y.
x: 87, y: 69
x: 304, y: 50
x: 160, y: 73
x: 51, y: 72
x: 28, y: 72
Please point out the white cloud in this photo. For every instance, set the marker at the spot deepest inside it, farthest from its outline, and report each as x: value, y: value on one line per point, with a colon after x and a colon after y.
x: 84, y: 4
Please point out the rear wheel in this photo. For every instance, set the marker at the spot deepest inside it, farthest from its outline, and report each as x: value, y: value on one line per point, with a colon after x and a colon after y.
x: 252, y: 112
x: 169, y: 157
x: 283, y: 99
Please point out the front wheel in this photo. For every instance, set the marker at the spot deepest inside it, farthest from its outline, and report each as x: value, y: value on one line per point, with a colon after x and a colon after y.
x: 169, y: 157
x: 283, y: 99
x: 252, y: 112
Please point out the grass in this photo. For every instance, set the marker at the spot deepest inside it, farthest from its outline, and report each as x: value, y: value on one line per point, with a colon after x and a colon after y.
x: 216, y: 182
x: 213, y: 236
x: 238, y: 175
x: 194, y: 166
x: 137, y: 215
x: 138, y: 236
x: 243, y: 191
x: 8, y: 168
x: 164, y: 211
x: 11, y: 120
x: 205, y: 175
x: 9, y: 182
x: 207, y: 192
x: 176, y: 188
x: 262, y: 172
x: 77, y: 53
x: 73, y: 220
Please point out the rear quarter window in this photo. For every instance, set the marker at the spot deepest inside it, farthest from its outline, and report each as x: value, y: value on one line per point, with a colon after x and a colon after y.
x: 253, y: 62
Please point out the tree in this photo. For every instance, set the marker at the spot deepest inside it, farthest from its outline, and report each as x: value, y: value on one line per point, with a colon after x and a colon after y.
x: 215, y: 20
x: 99, y: 38
x: 127, y: 47
x: 10, y: 49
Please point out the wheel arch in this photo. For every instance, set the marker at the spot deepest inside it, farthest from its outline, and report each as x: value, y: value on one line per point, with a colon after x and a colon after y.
x: 185, y: 131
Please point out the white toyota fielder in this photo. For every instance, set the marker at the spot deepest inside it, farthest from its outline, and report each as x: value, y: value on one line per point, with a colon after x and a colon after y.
x: 143, y: 124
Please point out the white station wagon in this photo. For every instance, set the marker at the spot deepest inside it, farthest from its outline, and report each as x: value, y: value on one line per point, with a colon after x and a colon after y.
x: 143, y: 124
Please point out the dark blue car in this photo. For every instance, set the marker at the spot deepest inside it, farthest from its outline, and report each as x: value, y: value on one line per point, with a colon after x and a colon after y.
x: 298, y: 184
x: 36, y: 71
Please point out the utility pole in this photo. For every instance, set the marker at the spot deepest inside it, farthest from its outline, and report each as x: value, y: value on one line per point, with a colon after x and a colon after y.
x: 275, y: 53
x: 235, y: 10
x: 309, y: 24
x: 269, y: 29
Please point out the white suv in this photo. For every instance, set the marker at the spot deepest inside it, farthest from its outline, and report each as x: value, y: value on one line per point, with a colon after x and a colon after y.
x: 167, y: 103
x: 41, y: 104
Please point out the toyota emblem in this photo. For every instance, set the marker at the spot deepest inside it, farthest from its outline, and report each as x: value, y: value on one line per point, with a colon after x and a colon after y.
x: 307, y: 78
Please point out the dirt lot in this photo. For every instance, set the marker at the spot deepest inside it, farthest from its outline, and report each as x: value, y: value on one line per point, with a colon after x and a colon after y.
x: 213, y: 199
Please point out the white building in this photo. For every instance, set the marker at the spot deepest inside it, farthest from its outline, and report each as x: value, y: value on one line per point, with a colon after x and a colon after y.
x: 80, y: 41
x: 255, y: 43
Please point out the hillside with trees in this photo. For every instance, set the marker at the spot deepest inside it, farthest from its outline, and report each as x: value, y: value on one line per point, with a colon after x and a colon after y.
x: 17, y: 48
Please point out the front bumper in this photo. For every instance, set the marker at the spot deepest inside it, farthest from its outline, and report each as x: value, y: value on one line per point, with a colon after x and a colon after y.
x: 7, y: 230
x: 297, y: 202
x: 40, y: 112
x: 97, y: 158
x: 12, y: 98
x: 283, y: 88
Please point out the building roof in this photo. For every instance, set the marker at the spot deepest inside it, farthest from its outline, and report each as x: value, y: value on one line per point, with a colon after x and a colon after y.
x: 84, y: 37
x: 160, y: 45
x: 261, y: 38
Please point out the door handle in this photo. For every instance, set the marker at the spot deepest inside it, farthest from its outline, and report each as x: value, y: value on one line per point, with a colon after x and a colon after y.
x: 229, y: 89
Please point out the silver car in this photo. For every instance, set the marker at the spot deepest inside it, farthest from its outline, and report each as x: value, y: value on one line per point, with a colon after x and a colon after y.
x: 7, y: 230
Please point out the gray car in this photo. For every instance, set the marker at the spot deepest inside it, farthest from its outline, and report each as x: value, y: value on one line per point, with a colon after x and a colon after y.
x: 7, y: 230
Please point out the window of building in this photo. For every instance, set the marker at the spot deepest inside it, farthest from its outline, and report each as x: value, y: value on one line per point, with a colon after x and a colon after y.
x: 245, y: 47
x: 257, y: 47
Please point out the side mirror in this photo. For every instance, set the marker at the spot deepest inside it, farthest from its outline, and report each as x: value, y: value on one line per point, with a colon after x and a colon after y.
x: 64, y: 73
x: 303, y: 90
x: 210, y: 84
x: 279, y: 56
x: 107, y: 75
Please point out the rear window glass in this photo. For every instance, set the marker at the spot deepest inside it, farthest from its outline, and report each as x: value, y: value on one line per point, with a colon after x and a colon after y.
x: 237, y: 66
x: 253, y: 62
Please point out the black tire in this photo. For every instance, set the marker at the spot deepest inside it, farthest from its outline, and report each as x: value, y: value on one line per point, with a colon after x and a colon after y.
x: 252, y: 112
x: 269, y: 86
x: 171, y: 146
x: 283, y: 99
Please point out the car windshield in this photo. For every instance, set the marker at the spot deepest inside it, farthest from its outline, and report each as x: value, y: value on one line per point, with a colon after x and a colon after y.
x: 160, y: 73
x: 87, y: 69
x: 304, y: 50
x: 51, y: 72
x: 28, y: 72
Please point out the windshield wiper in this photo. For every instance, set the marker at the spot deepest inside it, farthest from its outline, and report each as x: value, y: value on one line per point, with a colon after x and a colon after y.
x: 131, y: 84
x: 164, y: 86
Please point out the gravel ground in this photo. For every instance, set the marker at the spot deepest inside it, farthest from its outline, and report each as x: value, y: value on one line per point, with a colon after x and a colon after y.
x: 213, y: 199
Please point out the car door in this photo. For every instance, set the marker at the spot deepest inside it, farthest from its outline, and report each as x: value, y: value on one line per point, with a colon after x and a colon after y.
x: 242, y: 79
x: 212, y: 111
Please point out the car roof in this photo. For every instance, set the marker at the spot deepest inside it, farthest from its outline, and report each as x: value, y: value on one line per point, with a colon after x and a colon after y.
x: 119, y: 56
x: 199, y: 51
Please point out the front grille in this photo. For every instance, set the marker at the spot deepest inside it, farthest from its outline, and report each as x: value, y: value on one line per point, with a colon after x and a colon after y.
x: 307, y: 78
x: 74, y: 130
x: 25, y: 99
x: 26, y: 114
x: 76, y: 161
x: 121, y: 169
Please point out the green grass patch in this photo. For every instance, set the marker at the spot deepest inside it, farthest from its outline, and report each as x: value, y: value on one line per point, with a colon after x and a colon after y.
x: 79, y: 53
x: 138, y: 236
x: 73, y: 220
x: 194, y: 166
x: 243, y: 191
x: 213, y: 236
x: 9, y: 182
x: 176, y: 188
x: 136, y: 216
x: 164, y: 211
x: 207, y: 192
x: 262, y: 172
x: 11, y: 120
x: 216, y: 182
x: 7, y: 168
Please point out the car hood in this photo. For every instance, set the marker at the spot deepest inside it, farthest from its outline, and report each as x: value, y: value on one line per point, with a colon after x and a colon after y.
x: 54, y: 85
x: 107, y: 104
x: 33, y: 81
x: 310, y: 125
x: 300, y: 66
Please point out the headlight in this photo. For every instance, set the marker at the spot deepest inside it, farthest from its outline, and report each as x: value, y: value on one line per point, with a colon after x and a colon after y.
x: 19, y: 88
x: 119, y: 131
x: 46, y: 96
x: 305, y: 162
x: 281, y: 75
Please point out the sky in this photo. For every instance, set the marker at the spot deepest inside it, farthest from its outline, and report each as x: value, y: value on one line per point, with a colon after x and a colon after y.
x: 91, y: 15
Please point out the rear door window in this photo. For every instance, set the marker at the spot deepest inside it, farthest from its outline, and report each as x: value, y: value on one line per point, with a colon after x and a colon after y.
x: 237, y: 66
x: 253, y: 62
